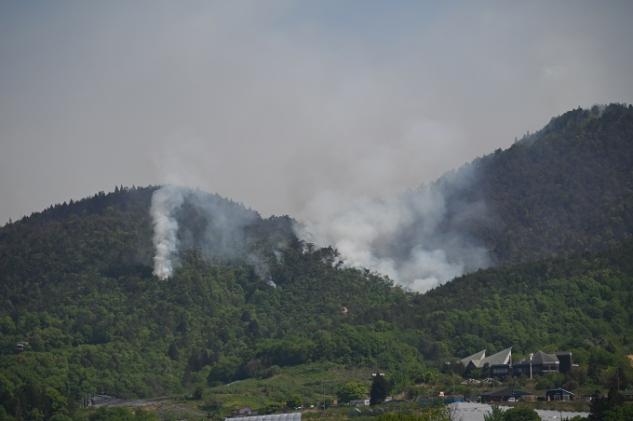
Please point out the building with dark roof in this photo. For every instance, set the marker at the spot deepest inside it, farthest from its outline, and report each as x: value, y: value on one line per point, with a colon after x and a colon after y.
x: 566, y: 361
x: 496, y: 365
x: 502, y: 395
x: 559, y: 394
x: 543, y: 363
x: 500, y: 365
x: 473, y: 361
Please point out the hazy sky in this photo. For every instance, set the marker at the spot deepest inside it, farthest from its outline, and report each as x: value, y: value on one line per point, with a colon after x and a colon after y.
x: 279, y: 103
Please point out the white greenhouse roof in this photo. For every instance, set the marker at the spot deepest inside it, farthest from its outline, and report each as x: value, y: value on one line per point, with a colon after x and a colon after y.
x: 295, y: 416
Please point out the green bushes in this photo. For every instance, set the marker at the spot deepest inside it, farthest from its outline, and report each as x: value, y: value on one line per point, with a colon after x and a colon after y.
x: 351, y: 391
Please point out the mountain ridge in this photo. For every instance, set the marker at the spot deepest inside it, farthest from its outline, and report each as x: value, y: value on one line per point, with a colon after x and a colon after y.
x: 76, y: 284
x: 559, y: 181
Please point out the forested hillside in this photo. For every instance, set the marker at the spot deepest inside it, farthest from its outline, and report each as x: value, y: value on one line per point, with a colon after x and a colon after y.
x: 580, y: 304
x: 76, y: 285
x: 98, y: 321
x: 77, y: 290
x: 565, y: 189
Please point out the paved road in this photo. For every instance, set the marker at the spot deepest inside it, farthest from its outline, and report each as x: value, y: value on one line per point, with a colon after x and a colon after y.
x: 466, y: 411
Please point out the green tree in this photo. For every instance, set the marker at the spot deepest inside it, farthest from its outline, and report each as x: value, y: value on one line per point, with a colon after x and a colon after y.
x: 224, y: 370
x: 350, y: 391
x: 294, y: 401
x: 379, y: 389
x: 521, y: 414
x: 495, y: 415
x: 620, y: 413
x: 60, y: 417
x: 601, y: 406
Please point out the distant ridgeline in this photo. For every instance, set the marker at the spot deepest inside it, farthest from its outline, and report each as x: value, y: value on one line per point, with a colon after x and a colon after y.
x: 81, y: 311
x: 573, y: 190
x: 565, y: 189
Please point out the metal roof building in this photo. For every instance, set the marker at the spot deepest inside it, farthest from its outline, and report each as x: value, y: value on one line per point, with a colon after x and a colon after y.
x: 295, y: 416
x: 500, y: 358
x: 474, y: 359
x: 502, y: 395
x: 559, y: 394
x: 480, y: 360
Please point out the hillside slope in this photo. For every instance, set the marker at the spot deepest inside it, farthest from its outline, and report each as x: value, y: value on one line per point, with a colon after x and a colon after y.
x: 565, y: 189
x: 77, y: 284
x: 580, y: 303
x: 97, y: 320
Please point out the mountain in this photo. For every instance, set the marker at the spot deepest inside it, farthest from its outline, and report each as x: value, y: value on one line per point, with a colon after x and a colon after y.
x: 580, y: 303
x: 83, y: 310
x: 76, y: 284
x: 565, y: 189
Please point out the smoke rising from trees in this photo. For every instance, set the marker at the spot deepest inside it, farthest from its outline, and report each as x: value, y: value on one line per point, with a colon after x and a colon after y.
x: 418, y: 238
x: 187, y: 219
x: 165, y: 202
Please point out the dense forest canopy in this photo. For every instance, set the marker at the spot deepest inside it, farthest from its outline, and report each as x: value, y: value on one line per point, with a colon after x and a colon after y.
x: 565, y: 189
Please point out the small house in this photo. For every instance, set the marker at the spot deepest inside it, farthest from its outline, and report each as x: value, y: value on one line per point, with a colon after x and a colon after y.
x: 541, y: 363
x: 559, y: 394
x: 497, y: 365
x: 566, y: 361
x: 359, y: 402
x: 502, y: 395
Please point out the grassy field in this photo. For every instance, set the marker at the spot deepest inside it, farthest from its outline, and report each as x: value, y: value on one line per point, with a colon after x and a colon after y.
x: 303, y: 386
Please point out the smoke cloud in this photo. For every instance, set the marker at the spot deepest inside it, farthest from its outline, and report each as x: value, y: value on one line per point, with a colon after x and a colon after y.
x: 188, y: 219
x: 417, y: 238
x: 384, y: 95
x: 165, y: 202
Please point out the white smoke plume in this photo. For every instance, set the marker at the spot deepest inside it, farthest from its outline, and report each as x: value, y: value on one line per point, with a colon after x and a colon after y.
x: 187, y: 219
x: 416, y: 238
x: 419, y: 238
x: 165, y: 201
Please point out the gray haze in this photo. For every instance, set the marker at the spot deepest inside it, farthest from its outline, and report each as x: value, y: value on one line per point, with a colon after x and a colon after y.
x: 185, y: 219
x: 278, y: 103
x: 417, y: 238
x: 306, y: 108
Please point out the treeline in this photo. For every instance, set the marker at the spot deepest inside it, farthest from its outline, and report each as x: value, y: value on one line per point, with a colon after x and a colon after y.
x: 77, y: 290
x: 580, y: 304
x: 78, y: 293
x: 563, y: 190
x: 112, y: 328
